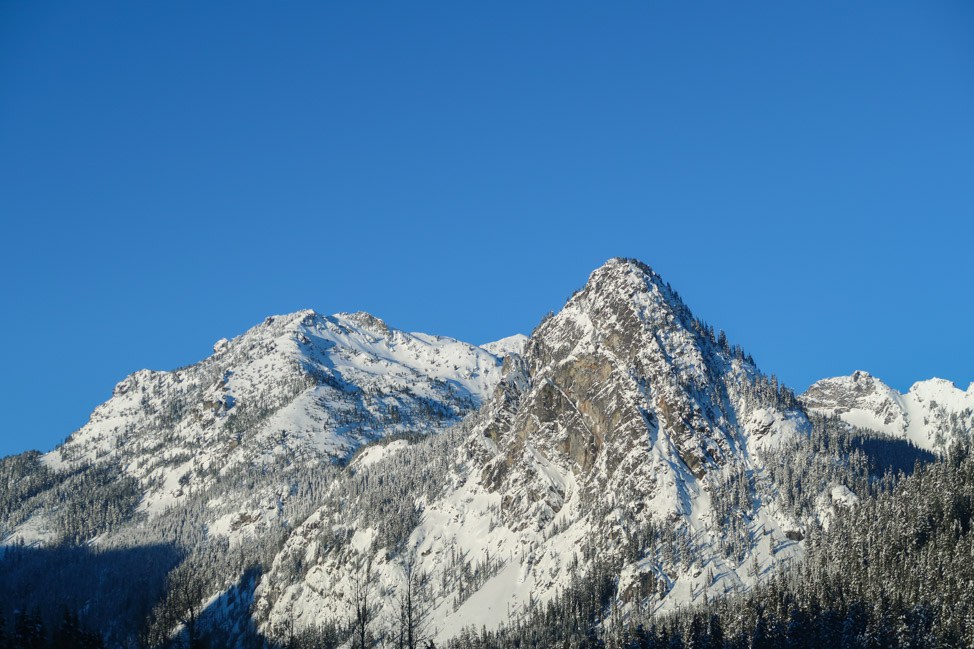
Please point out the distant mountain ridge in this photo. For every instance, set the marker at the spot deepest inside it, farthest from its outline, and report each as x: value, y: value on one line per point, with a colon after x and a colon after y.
x: 931, y: 414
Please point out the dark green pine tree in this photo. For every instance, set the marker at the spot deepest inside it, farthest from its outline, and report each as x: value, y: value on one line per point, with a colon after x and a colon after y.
x: 715, y: 630
x: 70, y: 635
x: 29, y: 631
x: 69, y: 632
x: 798, y: 630
x: 759, y: 635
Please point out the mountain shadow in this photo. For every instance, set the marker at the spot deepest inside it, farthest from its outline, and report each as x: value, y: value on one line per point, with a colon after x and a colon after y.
x: 891, y: 455
x: 106, y: 591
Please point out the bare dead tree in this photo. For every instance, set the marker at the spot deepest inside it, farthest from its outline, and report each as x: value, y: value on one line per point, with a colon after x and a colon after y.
x: 184, y: 602
x: 365, y: 608
x: 413, y: 605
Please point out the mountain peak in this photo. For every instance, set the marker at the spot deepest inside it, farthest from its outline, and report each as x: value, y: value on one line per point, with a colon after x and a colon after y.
x: 506, y: 346
x: 623, y: 298
x: 939, y: 390
x: 935, y: 382
x: 627, y: 262
x: 930, y: 414
x: 622, y: 267
x: 625, y: 358
x: 294, y: 315
x: 625, y: 278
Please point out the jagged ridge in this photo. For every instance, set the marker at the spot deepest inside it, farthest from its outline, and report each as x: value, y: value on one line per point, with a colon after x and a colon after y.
x: 931, y: 414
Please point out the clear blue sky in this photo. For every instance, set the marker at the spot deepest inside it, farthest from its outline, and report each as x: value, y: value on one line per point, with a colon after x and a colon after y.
x: 173, y: 172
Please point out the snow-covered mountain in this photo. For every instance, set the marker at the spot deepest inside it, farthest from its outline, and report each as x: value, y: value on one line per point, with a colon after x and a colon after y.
x: 930, y: 415
x: 625, y: 435
x: 297, y: 389
x: 507, y: 346
x: 319, y: 472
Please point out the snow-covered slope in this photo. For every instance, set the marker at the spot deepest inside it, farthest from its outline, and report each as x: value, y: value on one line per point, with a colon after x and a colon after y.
x: 621, y: 439
x: 507, y: 346
x: 931, y: 414
x: 297, y: 389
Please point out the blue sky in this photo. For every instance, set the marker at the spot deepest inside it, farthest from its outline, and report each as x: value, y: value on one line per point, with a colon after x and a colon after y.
x: 173, y: 172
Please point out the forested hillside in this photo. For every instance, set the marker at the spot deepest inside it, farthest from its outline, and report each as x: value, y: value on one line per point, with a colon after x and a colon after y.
x: 896, y: 570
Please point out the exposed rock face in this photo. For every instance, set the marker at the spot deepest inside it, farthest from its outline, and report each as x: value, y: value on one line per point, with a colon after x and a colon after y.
x: 628, y: 400
x: 844, y: 394
x: 931, y: 414
x: 621, y: 371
